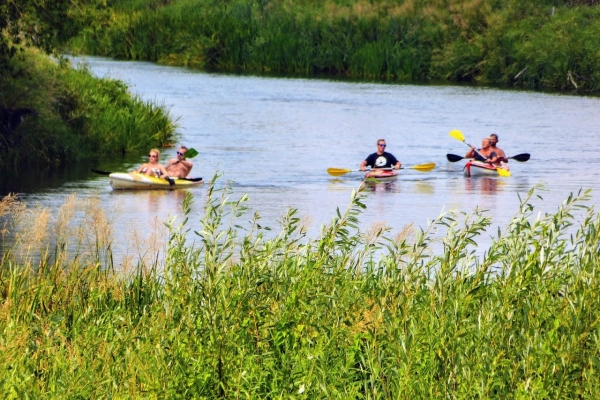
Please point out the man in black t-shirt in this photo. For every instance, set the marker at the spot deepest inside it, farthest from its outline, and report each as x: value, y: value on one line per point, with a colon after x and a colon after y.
x: 381, y: 159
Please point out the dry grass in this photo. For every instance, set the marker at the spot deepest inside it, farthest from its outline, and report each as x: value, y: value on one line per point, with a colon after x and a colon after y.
x: 79, y: 230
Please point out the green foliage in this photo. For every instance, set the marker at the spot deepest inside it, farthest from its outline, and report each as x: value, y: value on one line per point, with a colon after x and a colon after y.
x: 349, y: 314
x: 80, y: 116
x: 487, y: 41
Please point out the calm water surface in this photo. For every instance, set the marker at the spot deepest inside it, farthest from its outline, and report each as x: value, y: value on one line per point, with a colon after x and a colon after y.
x: 275, y: 138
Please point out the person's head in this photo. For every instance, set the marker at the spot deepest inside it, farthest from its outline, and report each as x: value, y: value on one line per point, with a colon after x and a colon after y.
x: 381, y: 145
x: 154, y: 155
x: 485, y: 143
x: 181, y: 152
x: 493, y: 139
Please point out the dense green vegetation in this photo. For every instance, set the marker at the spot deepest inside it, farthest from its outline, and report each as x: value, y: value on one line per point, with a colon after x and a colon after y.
x: 541, y: 44
x: 79, y: 117
x: 349, y: 314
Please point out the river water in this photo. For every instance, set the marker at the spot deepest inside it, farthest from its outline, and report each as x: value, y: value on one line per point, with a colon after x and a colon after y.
x: 274, y: 138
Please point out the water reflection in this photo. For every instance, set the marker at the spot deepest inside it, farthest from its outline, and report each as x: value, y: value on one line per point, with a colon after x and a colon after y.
x: 424, y: 187
x: 382, y: 187
x: 485, y: 184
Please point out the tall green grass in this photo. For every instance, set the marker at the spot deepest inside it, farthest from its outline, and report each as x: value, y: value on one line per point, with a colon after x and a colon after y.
x: 81, y: 117
x: 347, y: 314
x: 538, y: 44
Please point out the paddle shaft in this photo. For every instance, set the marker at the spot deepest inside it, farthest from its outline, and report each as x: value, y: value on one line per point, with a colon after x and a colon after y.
x: 341, y: 171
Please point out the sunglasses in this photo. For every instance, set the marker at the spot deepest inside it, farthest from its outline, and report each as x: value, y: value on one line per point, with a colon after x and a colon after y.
x: 180, y: 153
x: 152, y: 155
x: 382, y: 145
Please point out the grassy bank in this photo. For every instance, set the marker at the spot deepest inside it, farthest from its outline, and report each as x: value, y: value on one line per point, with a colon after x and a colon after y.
x: 348, y: 314
x: 80, y: 117
x: 536, y: 44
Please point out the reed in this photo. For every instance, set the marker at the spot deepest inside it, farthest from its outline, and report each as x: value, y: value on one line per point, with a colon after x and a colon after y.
x: 244, y: 312
x: 81, y: 117
x: 468, y: 41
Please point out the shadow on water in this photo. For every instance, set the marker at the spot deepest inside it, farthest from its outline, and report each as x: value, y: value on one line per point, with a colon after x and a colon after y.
x: 33, y: 180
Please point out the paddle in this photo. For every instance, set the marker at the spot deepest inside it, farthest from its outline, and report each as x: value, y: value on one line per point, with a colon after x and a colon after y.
x: 191, y: 153
x: 341, y: 171
x: 519, y: 157
x: 456, y: 134
x: 98, y: 171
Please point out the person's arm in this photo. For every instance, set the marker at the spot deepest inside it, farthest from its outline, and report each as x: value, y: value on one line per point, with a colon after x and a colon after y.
x: 471, y: 153
x: 171, y: 162
x: 502, y: 156
x: 363, y: 165
x: 187, y: 164
x: 395, y: 163
x: 492, y: 158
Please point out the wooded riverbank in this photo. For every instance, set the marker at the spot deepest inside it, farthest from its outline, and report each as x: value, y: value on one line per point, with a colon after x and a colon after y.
x: 536, y: 44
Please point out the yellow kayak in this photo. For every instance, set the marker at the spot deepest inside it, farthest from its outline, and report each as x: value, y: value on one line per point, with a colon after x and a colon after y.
x: 137, y: 181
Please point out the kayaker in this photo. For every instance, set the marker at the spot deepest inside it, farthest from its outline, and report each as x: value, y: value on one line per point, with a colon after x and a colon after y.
x: 380, y: 159
x: 485, y: 153
x: 499, y: 152
x: 152, y: 167
x: 179, y: 167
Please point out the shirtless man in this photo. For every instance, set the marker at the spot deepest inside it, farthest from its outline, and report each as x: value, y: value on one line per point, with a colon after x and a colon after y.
x: 499, y: 152
x: 179, y: 167
x: 485, y: 153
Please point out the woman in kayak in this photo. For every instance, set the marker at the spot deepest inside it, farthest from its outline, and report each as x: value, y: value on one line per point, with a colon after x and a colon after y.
x: 152, y: 167
x: 380, y: 159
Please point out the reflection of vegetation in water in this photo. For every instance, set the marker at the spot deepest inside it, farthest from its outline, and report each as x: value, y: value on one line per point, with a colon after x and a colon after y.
x: 532, y: 44
x: 240, y: 314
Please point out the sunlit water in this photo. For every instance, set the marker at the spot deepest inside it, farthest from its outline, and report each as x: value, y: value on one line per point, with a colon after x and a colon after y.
x: 275, y: 138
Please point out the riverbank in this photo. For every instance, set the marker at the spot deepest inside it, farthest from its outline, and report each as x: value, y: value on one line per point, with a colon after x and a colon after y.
x: 349, y: 313
x: 534, y: 44
x: 78, y: 117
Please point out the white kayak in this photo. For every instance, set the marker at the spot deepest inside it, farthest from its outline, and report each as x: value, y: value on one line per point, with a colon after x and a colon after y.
x: 137, y: 181
x: 479, y: 168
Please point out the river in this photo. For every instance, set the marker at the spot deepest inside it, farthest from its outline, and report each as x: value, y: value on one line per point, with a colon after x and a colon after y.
x: 274, y: 138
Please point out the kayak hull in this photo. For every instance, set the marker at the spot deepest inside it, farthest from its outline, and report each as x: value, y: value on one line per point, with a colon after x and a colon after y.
x: 382, y: 175
x: 137, y: 181
x: 478, y: 168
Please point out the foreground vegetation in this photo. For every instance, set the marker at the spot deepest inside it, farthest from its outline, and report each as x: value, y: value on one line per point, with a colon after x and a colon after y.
x: 539, y: 44
x: 349, y: 314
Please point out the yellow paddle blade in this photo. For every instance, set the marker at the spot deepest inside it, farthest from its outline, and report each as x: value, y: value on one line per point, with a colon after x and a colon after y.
x: 503, y: 172
x: 424, y: 167
x: 456, y: 134
x: 338, y: 171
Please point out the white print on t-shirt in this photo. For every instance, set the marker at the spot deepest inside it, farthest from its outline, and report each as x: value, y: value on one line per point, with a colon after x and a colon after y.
x: 381, y: 161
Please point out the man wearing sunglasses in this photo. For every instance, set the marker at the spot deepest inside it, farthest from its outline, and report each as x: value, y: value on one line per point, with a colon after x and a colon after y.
x: 179, y: 167
x: 380, y: 159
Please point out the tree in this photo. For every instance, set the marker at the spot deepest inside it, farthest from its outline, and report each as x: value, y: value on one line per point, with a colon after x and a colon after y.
x: 40, y: 23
